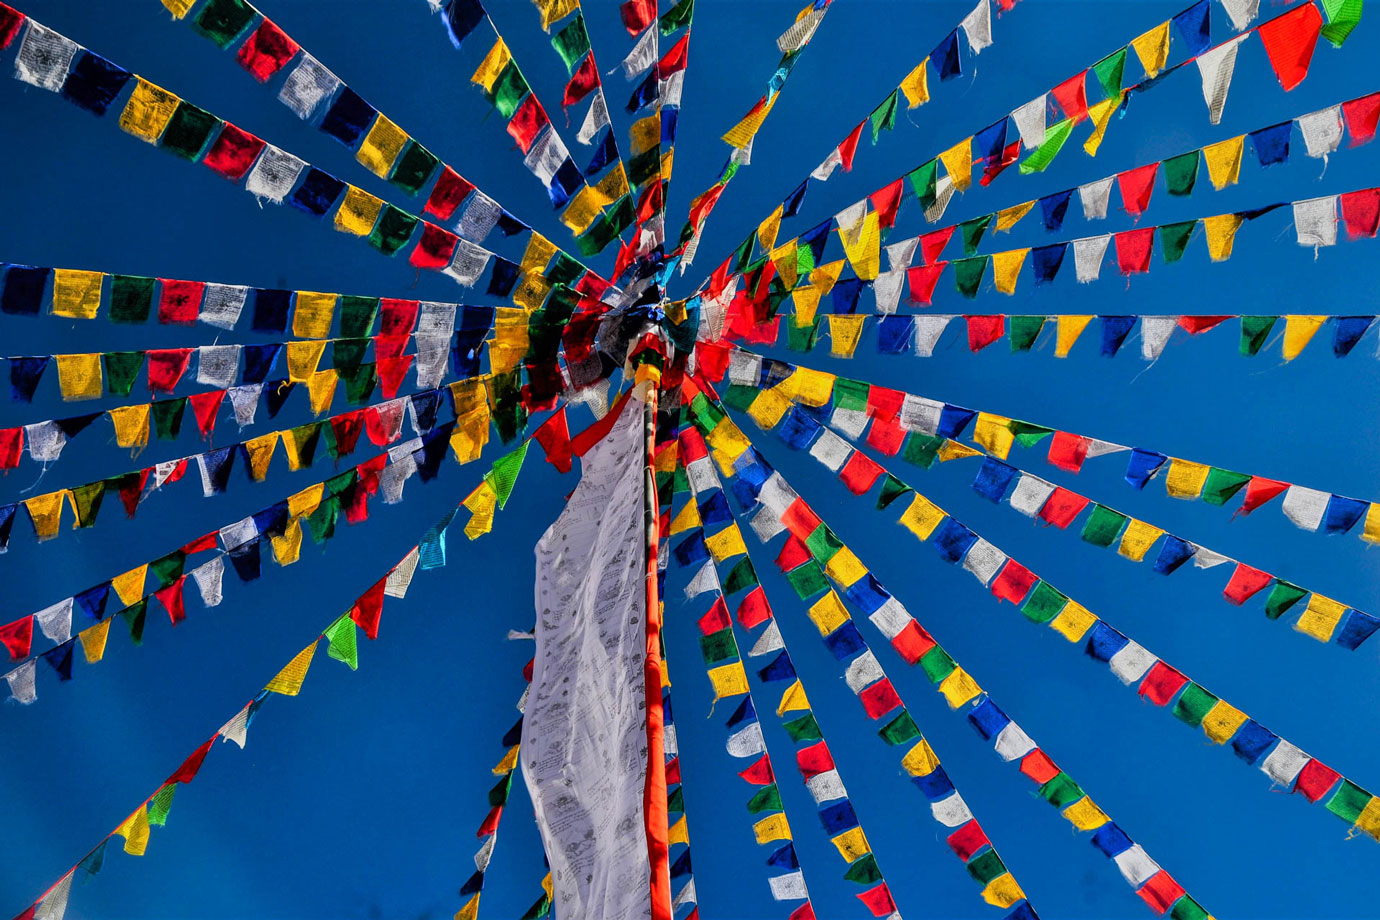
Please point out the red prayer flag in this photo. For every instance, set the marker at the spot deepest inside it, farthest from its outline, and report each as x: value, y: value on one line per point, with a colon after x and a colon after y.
x: 206, y: 406
x: 922, y: 279
x: 675, y: 59
x: 1361, y: 212
x: 18, y: 636
x: 859, y: 473
x: 912, y: 642
x: 1289, y: 41
x: 1160, y: 685
x: 1360, y: 116
x: 554, y: 438
x: 188, y: 771
x: 932, y: 244
x: 1067, y: 451
x: 10, y: 21
x: 1315, y: 779
x: 700, y: 208
x: 527, y: 122
x: 234, y: 151
x: 1196, y: 324
x: 794, y: 553
x: 759, y: 774
x: 673, y: 770
x: 1039, y: 767
x: 171, y: 599
x: 1259, y: 491
x: 266, y: 51
x: 886, y: 201
x: 1162, y: 891
x: 179, y: 301
x: 884, y: 402
x: 166, y: 367
x: 1133, y: 250
x: 390, y: 346
x: 878, y: 900
x: 399, y: 317
x: 800, y: 519
x: 887, y: 435
x: 1135, y: 186
x: 814, y: 759
x: 131, y: 489
x: 447, y: 194
x: 584, y: 81
x: 369, y: 608
x: 984, y: 330
x: 347, y: 427
x: 879, y: 699
x: 849, y: 147
x: 967, y: 840
x: 1062, y: 507
x: 1013, y: 582
x: 201, y: 544
x: 716, y: 618
x: 995, y: 165
x: 754, y: 610
x: 435, y: 249
x: 391, y: 373
x: 637, y: 15
x: 11, y: 447
x: 805, y: 911
x: 1245, y: 583
x: 712, y: 359
x: 692, y: 446
x: 763, y: 333
x: 1071, y: 97
x: 490, y: 822
x: 382, y: 429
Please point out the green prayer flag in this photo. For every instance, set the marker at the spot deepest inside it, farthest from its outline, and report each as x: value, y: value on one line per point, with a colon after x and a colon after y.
x: 572, y: 42
x: 161, y: 804
x: 921, y: 449
x: 1108, y: 72
x: 968, y: 275
x: 1342, y: 17
x: 594, y: 240
x: 414, y: 168
x: 1348, y: 801
x: 985, y: 867
x: 808, y: 580
x: 503, y: 476
x: 1181, y: 173
x: 188, y: 130
x: 121, y: 369
x: 509, y: 89
x: 1194, y: 704
x: 972, y: 231
x: 341, y: 638
x: 678, y: 16
x: 739, y: 396
x: 1188, y: 909
x: 937, y: 664
x: 644, y: 166
x: 768, y: 798
x: 718, y: 646
x: 1282, y: 596
x: 1174, y: 239
x: 675, y: 802
x: 892, y: 489
x: 1028, y: 435
x: 1040, y: 158
x: 742, y: 577
x: 393, y: 229
x: 1061, y: 791
x: 680, y: 481
x: 1024, y: 331
x: 804, y: 261
x: 823, y: 544
x: 168, y: 569
x: 851, y: 394
x: 360, y: 381
x: 540, y: 909
x: 1221, y: 485
x: 803, y: 338
x: 804, y: 728
x: 743, y: 254
x: 883, y: 117
x: 348, y: 352
x: 899, y: 730
x: 864, y: 870
x: 321, y: 522
x: 499, y: 792
x: 223, y: 20
x: 86, y: 502
x: 131, y: 297
x: 1044, y: 603
x: 1103, y: 526
x: 1254, y: 331
x: 357, y: 315
x: 922, y: 180
x: 134, y: 617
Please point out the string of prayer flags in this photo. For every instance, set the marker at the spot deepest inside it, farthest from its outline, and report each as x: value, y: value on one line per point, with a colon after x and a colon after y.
x: 682, y: 871
x: 1151, y: 677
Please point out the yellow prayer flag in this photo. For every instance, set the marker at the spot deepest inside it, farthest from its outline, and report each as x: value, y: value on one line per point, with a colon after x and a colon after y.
x: 844, y: 334
x: 1006, y: 268
x: 1298, y: 332
x: 806, y: 300
x: 828, y: 613
x: 772, y: 827
x: 768, y: 407
x: 481, y: 503
x: 1321, y: 617
x: 1085, y: 815
x: 470, y: 435
x: 666, y: 459
x: 470, y: 911
x: 382, y: 146
x: 678, y: 832
x: 531, y: 291
x: 129, y: 586
x: 258, y: 452
x: 538, y: 253
x: 1073, y: 622
x: 793, y: 700
x: 358, y: 212
x: 546, y: 886
x: 131, y: 424
x: 958, y: 688
x: 809, y: 387
x: 149, y: 109
x: 1137, y: 539
x: 952, y: 450
x: 920, y: 760
x: 312, y: 313
x: 1153, y: 48
x: 1101, y: 116
x: 1224, y: 161
x: 492, y: 65
x: 179, y: 8
x: 1067, y: 330
x: 287, y: 548
x: 1371, y: 531
x: 993, y: 432
x: 321, y: 390
x: 1002, y: 891
x: 45, y: 511
x: 135, y: 830
x: 922, y: 517
x: 79, y: 376
x: 687, y: 519
x: 728, y: 680
x: 784, y: 258
x: 826, y: 276
x: 1222, y: 721
x: 93, y: 641
x: 1009, y: 217
x: 1185, y: 478
x: 508, y: 763
x: 863, y: 246
x: 1369, y: 819
x: 288, y: 681
x: 726, y: 544
x: 645, y: 133
x: 1221, y: 233
x: 302, y: 359
x: 303, y: 503
x: 767, y: 229
x: 553, y: 11
x: 668, y: 159
x: 293, y: 441
x: 958, y: 163
x: 845, y: 568
x: 582, y: 210
x: 728, y: 443
x: 916, y: 86
x: 852, y: 844
x: 76, y: 294
x: 741, y: 134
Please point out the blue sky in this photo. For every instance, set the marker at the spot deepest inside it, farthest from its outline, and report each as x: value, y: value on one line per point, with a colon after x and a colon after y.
x: 360, y: 797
